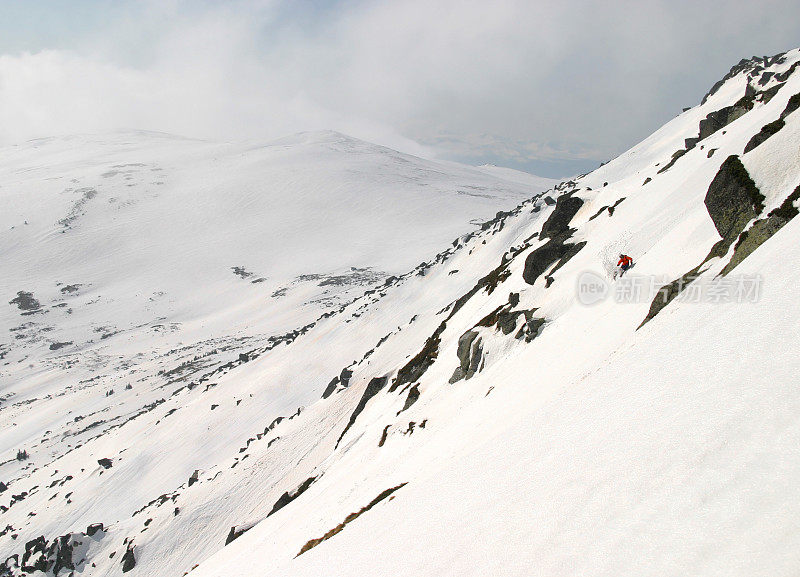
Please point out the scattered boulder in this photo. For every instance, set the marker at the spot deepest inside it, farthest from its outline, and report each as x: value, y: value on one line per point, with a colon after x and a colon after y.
x: 194, y: 477
x: 105, y: 463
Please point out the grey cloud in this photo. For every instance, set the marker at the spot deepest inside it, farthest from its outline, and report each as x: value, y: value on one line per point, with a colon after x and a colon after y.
x: 554, y: 86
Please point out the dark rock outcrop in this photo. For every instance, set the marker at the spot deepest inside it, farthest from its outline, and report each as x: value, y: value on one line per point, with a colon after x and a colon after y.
x: 128, y: 559
x: 237, y: 531
x: 52, y: 558
x: 784, y: 76
x: 288, y: 497
x: 56, y: 346
x: 343, y: 379
x: 532, y: 327
x: 557, y: 230
x: 762, y: 230
x: 733, y: 199
x: 372, y: 389
x: 470, y: 352
x: 94, y: 528
x: 766, y: 131
x: 791, y: 106
x: 787, y: 209
x: 331, y: 388
x: 675, y: 156
x: 384, y: 435
x: 25, y: 302
x: 557, y: 224
x: 413, y: 396
x: 35, y: 556
x: 105, y: 463
x: 668, y: 293
x: 417, y: 366
x: 539, y: 260
x: 744, y: 65
x: 721, y: 118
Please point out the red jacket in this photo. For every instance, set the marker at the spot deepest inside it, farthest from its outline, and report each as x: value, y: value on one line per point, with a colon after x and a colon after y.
x: 625, y: 260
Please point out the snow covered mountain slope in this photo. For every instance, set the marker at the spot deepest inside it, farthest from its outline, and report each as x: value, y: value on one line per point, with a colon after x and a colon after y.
x: 139, y: 259
x: 505, y: 408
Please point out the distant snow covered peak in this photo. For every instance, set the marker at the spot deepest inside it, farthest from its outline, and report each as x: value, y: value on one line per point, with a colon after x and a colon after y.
x: 317, y: 137
x: 519, y: 176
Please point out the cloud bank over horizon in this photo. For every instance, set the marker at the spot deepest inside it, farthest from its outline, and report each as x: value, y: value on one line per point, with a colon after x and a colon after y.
x: 552, y: 88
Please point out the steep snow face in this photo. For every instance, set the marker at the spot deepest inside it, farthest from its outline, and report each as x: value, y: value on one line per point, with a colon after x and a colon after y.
x: 474, y: 415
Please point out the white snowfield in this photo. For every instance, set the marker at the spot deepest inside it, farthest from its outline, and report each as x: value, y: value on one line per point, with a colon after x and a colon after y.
x: 487, y: 423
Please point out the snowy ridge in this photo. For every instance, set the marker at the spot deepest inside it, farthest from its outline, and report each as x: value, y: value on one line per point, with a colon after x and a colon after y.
x: 471, y: 416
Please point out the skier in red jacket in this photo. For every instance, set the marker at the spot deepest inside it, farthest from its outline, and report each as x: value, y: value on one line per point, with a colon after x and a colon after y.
x: 625, y: 262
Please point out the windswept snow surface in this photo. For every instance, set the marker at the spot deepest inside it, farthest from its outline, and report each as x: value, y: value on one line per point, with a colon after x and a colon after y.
x: 456, y: 419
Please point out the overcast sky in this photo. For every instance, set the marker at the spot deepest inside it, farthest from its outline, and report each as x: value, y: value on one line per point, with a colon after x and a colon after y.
x: 546, y: 86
